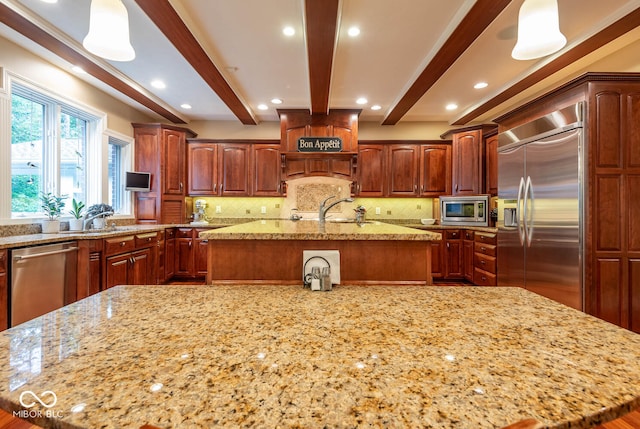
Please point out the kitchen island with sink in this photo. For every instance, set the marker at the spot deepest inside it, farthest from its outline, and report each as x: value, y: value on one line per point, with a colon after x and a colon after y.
x: 267, y: 251
x: 233, y: 356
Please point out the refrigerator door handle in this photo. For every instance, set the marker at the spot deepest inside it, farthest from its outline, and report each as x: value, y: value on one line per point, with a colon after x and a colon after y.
x: 528, y: 211
x: 519, y: 212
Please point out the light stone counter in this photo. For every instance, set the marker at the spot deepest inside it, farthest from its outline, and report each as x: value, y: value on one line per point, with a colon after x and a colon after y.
x: 282, y: 356
x: 314, y: 230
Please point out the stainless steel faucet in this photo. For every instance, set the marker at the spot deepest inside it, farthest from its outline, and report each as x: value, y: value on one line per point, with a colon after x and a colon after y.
x: 322, y: 211
x: 88, y: 219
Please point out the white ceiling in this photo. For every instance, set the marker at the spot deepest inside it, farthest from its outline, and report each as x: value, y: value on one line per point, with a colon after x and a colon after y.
x: 398, y: 39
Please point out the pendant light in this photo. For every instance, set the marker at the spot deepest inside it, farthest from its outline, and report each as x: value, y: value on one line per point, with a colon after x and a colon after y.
x: 538, y: 30
x: 108, y: 35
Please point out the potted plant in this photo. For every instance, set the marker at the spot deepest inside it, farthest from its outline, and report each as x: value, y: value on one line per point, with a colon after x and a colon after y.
x: 75, y: 224
x: 99, y: 212
x: 52, y: 206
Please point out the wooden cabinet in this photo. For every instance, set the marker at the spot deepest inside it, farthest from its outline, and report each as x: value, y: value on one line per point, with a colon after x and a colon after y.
x: 169, y: 253
x: 160, y: 150
x: 491, y: 165
x: 4, y: 290
x: 467, y: 171
x: 89, y: 280
x: 235, y: 169
x: 191, y: 253
x: 453, y: 254
x: 404, y: 169
x: 435, y: 170
x: 467, y: 254
x: 130, y: 260
x: 437, y: 258
x: 484, y: 260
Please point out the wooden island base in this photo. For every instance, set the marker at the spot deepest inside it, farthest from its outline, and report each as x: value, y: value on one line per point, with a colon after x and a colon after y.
x: 361, y: 262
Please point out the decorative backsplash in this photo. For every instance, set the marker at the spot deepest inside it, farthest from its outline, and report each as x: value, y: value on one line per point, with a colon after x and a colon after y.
x: 307, y: 193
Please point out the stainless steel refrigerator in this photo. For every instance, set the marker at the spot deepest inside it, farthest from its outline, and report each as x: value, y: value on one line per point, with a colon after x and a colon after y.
x: 540, y: 206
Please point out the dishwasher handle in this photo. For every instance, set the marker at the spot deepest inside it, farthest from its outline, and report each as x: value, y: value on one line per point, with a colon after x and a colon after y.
x: 39, y: 255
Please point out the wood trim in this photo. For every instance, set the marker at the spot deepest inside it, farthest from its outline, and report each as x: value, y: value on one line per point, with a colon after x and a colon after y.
x: 169, y: 22
x: 31, y: 31
x: 612, y: 32
x: 321, y: 19
x: 474, y: 23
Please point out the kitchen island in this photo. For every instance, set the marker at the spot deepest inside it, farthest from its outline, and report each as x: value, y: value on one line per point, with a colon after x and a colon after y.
x: 267, y: 251
x: 283, y: 356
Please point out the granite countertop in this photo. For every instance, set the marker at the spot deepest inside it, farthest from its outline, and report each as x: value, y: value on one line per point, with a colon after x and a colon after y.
x: 283, y: 356
x: 489, y: 229
x: 313, y: 230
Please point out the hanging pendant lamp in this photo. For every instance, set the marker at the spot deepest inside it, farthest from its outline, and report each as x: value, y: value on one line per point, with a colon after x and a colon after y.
x: 108, y: 35
x: 538, y: 30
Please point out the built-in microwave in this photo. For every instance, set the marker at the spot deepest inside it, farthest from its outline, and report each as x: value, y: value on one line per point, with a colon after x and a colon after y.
x: 465, y: 211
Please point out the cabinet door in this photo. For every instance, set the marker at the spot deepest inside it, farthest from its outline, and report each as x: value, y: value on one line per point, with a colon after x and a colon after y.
x: 4, y: 291
x: 174, y: 147
x: 435, y: 170
x: 203, y: 168
x: 402, y: 170
x: 266, y: 170
x: 141, y: 272
x: 467, y: 259
x: 234, y: 169
x: 453, y: 255
x: 117, y: 270
x: 200, y: 257
x: 491, y: 165
x: 467, y: 174
x: 371, y: 175
x: 437, y: 260
x: 184, y: 257
x: 169, y: 258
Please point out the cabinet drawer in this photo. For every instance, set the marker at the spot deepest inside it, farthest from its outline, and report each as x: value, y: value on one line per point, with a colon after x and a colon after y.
x: 486, y: 237
x: 184, y: 232
x: 452, y: 234
x: 146, y: 240
x: 117, y: 245
x: 486, y: 249
x: 467, y: 235
x: 484, y: 262
x: 169, y: 233
x: 483, y: 278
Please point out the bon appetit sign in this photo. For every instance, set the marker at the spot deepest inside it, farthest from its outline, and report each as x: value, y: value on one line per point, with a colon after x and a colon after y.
x: 319, y: 144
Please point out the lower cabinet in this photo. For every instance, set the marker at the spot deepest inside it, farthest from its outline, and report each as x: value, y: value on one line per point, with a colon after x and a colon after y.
x: 467, y: 254
x: 169, y: 254
x: 484, y: 259
x: 89, y: 268
x: 453, y: 254
x: 4, y: 290
x: 130, y: 260
x: 190, y: 253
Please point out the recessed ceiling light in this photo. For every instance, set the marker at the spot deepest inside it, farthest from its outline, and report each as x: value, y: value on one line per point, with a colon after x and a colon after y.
x: 78, y: 69
x: 288, y: 31
x: 185, y: 106
x: 158, y: 84
x: 49, y: 1
x: 451, y: 106
x: 276, y: 101
x: 263, y: 106
x: 353, y: 31
x: 481, y: 85
x: 376, y: 107
x: 361, y: 100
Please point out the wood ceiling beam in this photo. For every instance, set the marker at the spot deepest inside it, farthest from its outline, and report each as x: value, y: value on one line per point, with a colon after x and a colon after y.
x: 31, y: 31
x: 473, y: 24
x: 321, y: 20
x: 171, y: 25
x: 598, y: 40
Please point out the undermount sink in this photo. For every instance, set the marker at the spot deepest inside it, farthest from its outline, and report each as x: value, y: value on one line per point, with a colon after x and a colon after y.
x: 336, y: 220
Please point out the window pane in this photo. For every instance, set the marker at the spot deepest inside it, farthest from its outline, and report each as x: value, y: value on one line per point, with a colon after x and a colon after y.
x: 73, y: 150
x: 27, y: 159
x: 116, y: 193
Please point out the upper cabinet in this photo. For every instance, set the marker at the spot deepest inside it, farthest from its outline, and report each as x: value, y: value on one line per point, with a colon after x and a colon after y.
x: 160, y: 150
x: 469, y: 169
x: 403, y: 169
x: 219, y: 168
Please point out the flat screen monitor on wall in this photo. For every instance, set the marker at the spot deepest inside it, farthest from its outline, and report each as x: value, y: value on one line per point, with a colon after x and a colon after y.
x: 137, y: 181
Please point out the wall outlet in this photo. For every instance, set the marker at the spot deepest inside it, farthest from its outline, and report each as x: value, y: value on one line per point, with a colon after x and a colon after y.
x: 418, y: 207
x: 388, y: 212
x: 248, y: 211
x: 218, y: 209
x: 377, y: 210
x: 263, y: 209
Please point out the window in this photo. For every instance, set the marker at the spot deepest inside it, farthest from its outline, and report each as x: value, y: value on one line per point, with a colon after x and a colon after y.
x: 119, y: 156
x: 50, y: 146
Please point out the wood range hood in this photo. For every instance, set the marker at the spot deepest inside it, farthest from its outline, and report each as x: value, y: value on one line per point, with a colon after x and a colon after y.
x: 340, y: 123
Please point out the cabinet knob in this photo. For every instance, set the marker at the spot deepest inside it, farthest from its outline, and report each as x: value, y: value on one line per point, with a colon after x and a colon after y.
x: 483, y: 248
x: 482, y: 262
x: 122, y: 244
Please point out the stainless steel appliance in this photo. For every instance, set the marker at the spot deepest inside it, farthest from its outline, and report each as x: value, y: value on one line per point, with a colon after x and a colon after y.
x: 465, y: 210
x: 41, y: 278
x: 540, y: 188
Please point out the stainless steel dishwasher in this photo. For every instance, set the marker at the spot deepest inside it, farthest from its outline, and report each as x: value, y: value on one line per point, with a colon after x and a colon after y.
x: 41, y: 279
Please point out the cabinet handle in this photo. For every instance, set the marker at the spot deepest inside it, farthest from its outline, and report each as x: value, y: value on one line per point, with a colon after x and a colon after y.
x: 483, y: 248
x: 131, y: 260
x: 482, y: 262
x: 484, y: 279
x: 447, y: 245
x: 215, y: 188
x: 122, y: 244
x: 181, y: 186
